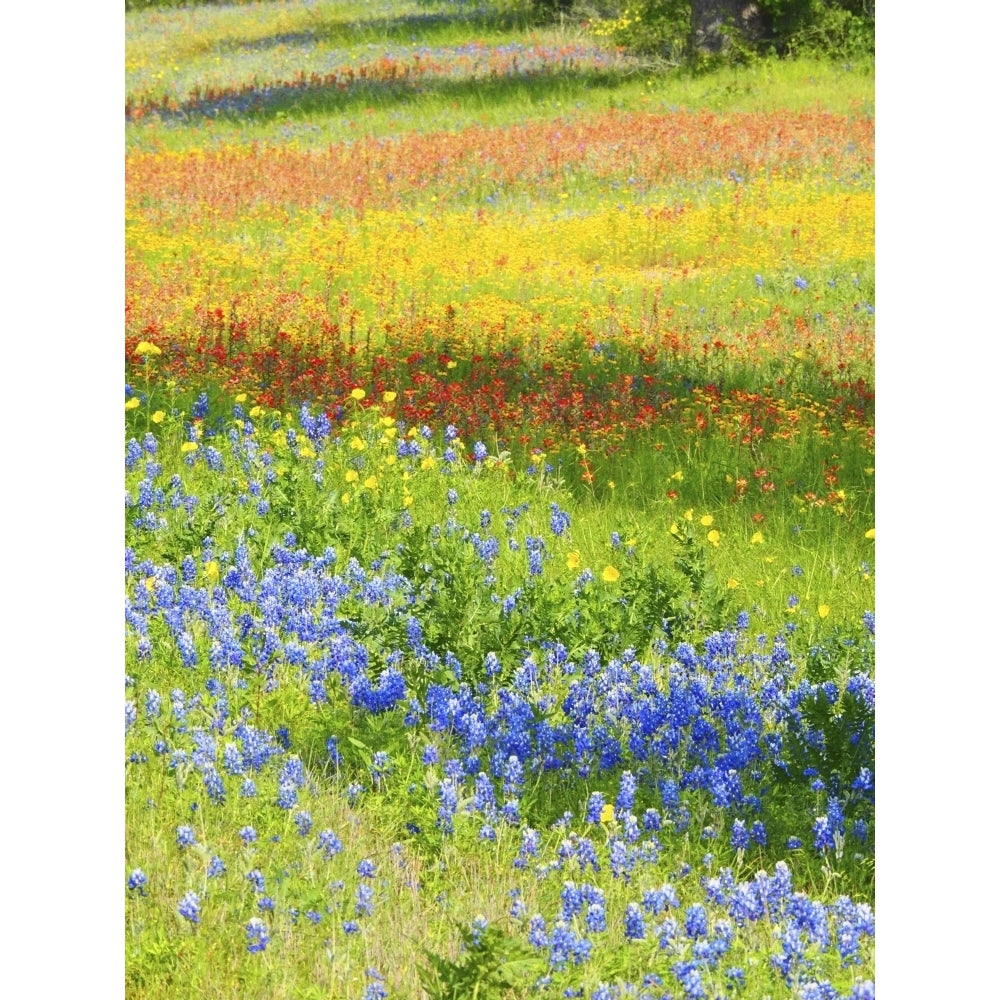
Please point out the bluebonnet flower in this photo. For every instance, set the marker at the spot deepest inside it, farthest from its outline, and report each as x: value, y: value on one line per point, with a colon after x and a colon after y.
x: 351, y: 926
x: 330, y: 843
x: 257, y: 935
x: 740, y: 838
x: 517, y: 910
x: 635, y: 928
x: 529, y: 847
x: 131, y: 715
x: 851, y: 921
x: 381, y: 764
x: 133, y: 452
x: 200, y: 409
x: 823, y: 834
x: 696, y: 921
x: 559, y: 520
x: 287, y: 796
x: 248, y: 835
x: 265, y: 904
x: 823, y: 990
x: 597, y: 918
x: 366, y: 868
x: 479, y: 451
x: 793, y: 843
x: 537, y: 937
x: 248, y: 789
x: 190, y: 907
x: 137, y: 880
x: 801, y: 283
x: 513, y: 775
x: 586, y: 855
x: 477, y: 928
x: 214, y: 785
x: 869, y: 621
x: 365, y: 905
x: 667, y: 933
x: 452, y: 497
x: 448, y: 795
x: 572, y: 900
x: 216, y: 867
x: 153, y: 704
x: 303, y: 820
x: 626, y: 791
x: 185, y: 836
x: 863, y: 991
x: 622, y: 860
x: 689, y: 976
x: 256, y: 878
x: 375, y: 989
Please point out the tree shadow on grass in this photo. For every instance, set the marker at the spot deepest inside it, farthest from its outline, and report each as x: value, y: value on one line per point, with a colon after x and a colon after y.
x: 424, y: 29
x: 523, y: 75
x: 306, y: 100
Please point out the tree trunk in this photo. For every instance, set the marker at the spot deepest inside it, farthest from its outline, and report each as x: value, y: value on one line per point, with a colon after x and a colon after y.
x: 713, y: 21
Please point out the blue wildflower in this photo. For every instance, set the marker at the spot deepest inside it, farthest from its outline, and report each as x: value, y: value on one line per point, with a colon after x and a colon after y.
x: 257, y: 935
x: 190, y: 907
x: 635, y: 928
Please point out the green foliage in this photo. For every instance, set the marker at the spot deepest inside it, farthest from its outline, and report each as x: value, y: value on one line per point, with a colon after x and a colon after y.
x: 490, y: 965
x: 651, y: 27
x: 666, y: 28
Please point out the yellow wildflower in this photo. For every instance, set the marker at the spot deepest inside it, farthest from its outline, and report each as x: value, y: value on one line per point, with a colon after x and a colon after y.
x: 132, y: 403
x: 358, y: 394
x: 388, y: 397
x: 706, y: 520
x: 607, y: 812
x: 713, y: 537
x: 610, y: 574
x: 146, y: 349
x: 158, y: 417
x: 189, y: 446
x: 824, y: 610
x: 572, y: 560
x: 756, y: 538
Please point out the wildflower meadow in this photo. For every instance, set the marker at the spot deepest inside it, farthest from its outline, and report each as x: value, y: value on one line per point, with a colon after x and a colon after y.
x: 499, y: 511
